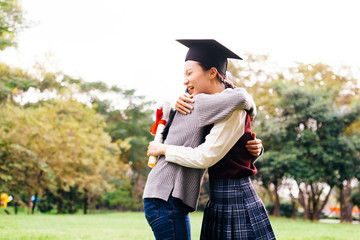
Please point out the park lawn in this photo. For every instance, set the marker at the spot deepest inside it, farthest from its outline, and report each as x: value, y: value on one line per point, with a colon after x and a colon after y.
x: 132, y: 226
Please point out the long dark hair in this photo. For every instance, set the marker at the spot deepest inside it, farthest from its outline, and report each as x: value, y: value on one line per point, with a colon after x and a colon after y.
x: 168, y: 124
x: 222, y: 77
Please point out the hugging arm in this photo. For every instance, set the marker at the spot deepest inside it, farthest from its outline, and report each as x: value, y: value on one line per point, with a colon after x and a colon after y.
x: 212, y: 108
x: 218, y: 142
x: 184, y: 106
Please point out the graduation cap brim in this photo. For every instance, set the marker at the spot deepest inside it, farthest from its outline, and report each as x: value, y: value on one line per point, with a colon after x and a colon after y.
x: 209, y: 52
x: 210, y: 45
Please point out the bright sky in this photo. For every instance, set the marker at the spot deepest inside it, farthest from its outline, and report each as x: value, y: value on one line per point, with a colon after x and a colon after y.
x: 132, y: 43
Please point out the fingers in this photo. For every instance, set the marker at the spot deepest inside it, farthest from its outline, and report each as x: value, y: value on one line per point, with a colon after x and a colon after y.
x: 150, y: 153
x: 187, y: 98
x: 252, y: 142
x: 254, y: 147
x: 253, y: 135
x: 149, y: 148
x: 255, y: 152
x: 150, y: 143
x: 155, y: 149
x: 182, y: 106
x: 181, y: 109
x: 153, y: 152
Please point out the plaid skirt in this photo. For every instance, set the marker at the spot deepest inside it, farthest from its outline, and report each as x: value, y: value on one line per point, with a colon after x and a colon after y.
x: 235, y: 211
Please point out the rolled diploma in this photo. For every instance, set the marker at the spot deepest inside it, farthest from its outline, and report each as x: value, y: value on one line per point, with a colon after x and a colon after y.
x: 159, y: 131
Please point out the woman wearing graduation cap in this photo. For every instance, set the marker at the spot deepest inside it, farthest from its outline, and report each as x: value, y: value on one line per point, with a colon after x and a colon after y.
x: 234, y: 210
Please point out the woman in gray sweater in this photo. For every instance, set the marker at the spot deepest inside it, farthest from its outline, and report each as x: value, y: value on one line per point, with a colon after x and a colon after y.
x: 171, y: 190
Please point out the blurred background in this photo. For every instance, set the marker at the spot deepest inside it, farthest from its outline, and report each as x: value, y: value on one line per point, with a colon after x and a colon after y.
x: 80, y: 82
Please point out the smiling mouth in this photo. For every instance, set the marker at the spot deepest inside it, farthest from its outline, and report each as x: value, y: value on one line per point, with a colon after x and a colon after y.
x: 190, y: 89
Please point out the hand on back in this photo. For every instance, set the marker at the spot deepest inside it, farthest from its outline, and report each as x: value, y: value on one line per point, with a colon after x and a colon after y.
x: 182, y: 105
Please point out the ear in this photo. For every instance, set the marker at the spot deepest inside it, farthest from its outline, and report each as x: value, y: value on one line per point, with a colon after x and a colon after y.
x: 213, y: 73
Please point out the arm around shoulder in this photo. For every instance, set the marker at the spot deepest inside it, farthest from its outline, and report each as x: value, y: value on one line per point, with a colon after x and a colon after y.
x: 218, y: 143
x: 215, y: 107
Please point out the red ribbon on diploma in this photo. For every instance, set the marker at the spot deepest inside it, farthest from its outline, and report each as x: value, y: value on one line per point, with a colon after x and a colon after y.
x: 159, y: 115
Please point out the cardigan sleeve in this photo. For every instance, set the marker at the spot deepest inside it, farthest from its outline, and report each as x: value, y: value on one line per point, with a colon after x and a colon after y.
x: 218, y: 143
x: 211, y: 108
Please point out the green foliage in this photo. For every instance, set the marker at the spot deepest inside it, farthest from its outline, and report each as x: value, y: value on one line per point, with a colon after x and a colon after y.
x: 47, y: 201
x: 68, y: 138
x: 355, y: 198
x: 306, y: 122
x: 52, y: 130
x: 129, y: 129
x: 88, y: 86
x: 121, y: 198
x: 286, y: 209
x: 314, y: 147
x: 11, y: 20
x: 13, y: 81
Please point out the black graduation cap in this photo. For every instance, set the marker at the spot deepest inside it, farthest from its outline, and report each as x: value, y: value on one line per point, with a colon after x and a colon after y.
x: 208, y: 52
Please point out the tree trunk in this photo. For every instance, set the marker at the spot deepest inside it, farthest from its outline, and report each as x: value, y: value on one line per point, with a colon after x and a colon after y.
x: 293, y: 205
x: 85, y: 206
x: 309, y: 207
x: 293, y: 212
x: 324, y: 202
x: 29, y: 202
x: 86, y: 202
x: 277, y: 202
x: 348, y: 204
x: 345, y: 204
x: 341, y: 200
x: 37, y: 192
x: 302, y: 202
x: 314, y: 217
x: 315, y: 198
x: 34, y: 203
x: 71, y: 205
x: 309, y: 198
x: 16, y: 204
x: 90, y: 196
x: 60, y: 201
x: 348, y: 215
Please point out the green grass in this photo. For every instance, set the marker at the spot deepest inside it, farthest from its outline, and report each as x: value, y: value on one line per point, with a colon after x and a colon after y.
x: 132, y: 226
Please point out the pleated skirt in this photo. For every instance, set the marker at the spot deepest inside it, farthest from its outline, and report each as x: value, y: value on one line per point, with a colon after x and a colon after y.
x: 235, y: 211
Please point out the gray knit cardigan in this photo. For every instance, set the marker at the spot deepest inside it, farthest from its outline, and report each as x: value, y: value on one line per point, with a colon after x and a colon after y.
x: 167, y: 178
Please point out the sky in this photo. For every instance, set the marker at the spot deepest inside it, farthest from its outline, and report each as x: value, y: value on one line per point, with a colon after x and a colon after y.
x: 132, y: 43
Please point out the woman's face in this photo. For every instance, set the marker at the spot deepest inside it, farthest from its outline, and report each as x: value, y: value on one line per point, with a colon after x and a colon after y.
x: 196, y: 79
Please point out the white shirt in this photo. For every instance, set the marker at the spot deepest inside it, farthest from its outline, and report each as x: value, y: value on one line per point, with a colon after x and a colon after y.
x: 218, y: 143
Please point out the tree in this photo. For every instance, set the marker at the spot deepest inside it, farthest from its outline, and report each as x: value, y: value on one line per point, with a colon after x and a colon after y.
x: 313, y: 144
x: 14, y: 81
x: 254, y: 75
x: 69, y: 137
x: 22, y: 172
x: 304, y: 112
x: 129, y: 129
x: 11, y: 20
x: 128, y: 122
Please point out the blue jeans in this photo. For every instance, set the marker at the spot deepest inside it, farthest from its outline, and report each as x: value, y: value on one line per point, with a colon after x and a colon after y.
x: 168, y: 220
